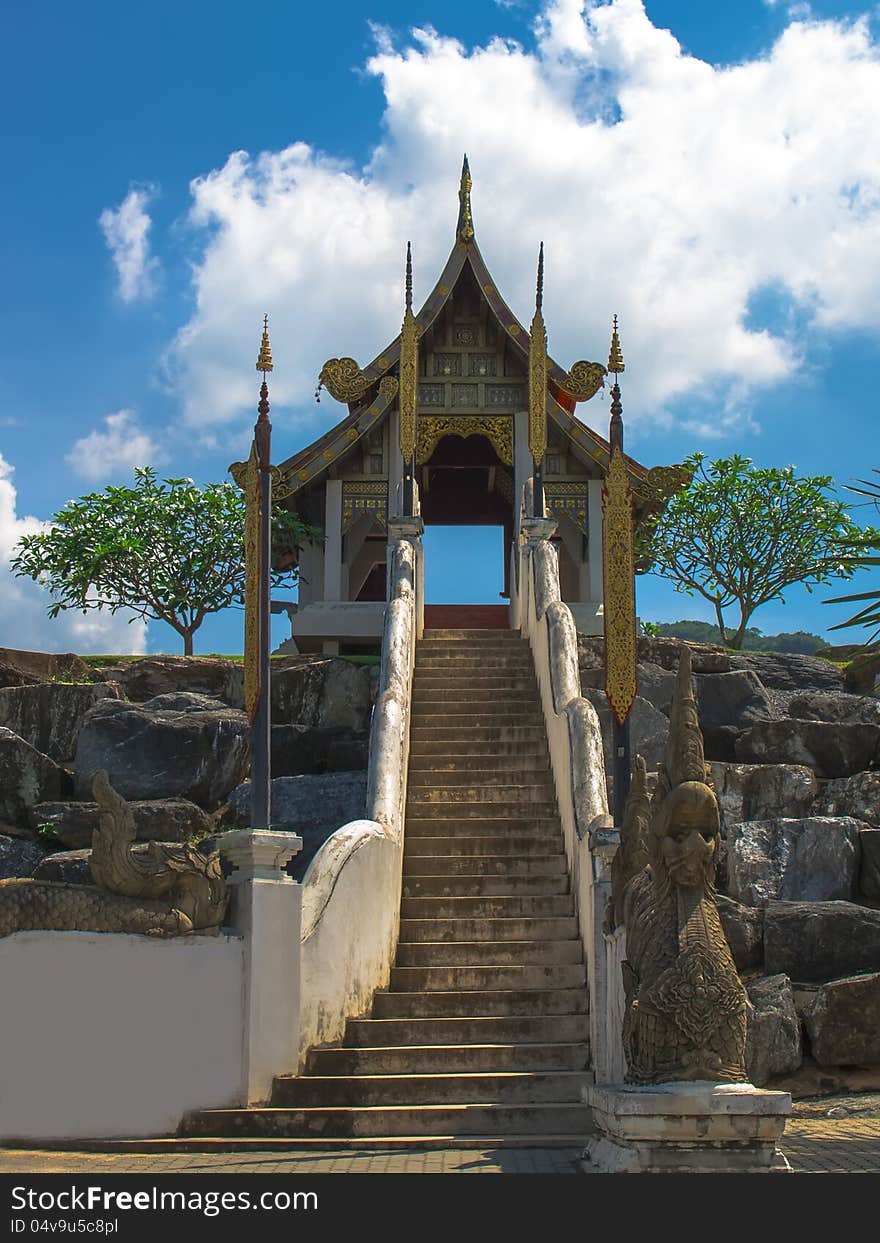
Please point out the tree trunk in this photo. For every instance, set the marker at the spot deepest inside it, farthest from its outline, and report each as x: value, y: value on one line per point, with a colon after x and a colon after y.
x: 187, y: 643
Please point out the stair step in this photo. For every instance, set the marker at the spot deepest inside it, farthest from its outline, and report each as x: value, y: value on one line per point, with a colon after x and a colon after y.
x: 444, y: 1088
x: 493, y: 765
x: 511, y: 929
x: 481, y: 801
x: 408, y: 1120
x: 509, y: 1029
x: 477, y: 778
x: 550, y: 906
x: 487, y: 638
x: 534, y: 754
x: 484, y: 979
x: 471, y: 843
x: 465, y: 733
x: 449, y: 1059
x: 484, y: 1003
x: 479, y: 679
x: 488, y: 953
x: 490, y: 716
x: 447, y: 867
x: 466, y: 697
x: 484, y: 886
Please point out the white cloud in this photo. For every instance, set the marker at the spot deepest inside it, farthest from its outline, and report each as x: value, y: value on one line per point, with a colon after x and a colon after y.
x: 23, y: 603
x: 126, y: 231
x: 666, y: 189
x: 122, y: 446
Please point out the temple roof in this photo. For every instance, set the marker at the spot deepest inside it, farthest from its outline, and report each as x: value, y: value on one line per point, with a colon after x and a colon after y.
x: 371, y: 391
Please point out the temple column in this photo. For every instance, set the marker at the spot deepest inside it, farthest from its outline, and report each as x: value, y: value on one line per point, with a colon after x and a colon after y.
x: 333, y: 540
x: 395, y: 465
x: 522, y: 461
x: 594, y: 539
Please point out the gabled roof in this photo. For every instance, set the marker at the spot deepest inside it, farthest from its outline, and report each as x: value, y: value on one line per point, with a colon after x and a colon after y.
x: 370, y: 391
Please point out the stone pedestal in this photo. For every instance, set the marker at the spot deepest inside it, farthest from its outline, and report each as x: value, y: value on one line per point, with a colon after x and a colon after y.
x: 685, y: 1128
x: 267, y: 914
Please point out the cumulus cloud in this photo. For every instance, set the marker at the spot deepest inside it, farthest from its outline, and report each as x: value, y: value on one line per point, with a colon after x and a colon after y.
x: 126, y: 231
x: 666, y: 189
x: 121, y: 446
x: 23, y: 603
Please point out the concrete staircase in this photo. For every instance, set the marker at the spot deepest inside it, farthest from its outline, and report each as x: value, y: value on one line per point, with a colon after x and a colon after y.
x: 482, y: 1036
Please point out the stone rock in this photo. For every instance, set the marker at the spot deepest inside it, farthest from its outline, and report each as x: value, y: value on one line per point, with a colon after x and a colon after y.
x: 654, y: 683
x: 72, y: 867
x: 763, y: 791
x: 869, y: 867
x: 298, y: 749
x: 200, y: 675
x: 44, y: 666
x: 839, y: 707
x: 174, y: 746
x: 744, y: 928
x: 729, y: 703
x: 831, y: 749
x: 648, y: 729
x: 27, y: 777
x: 773, y: 1042
x: 323, y: 692
x: 658, y: 650
x: 843, y: 1023
x: 817, y: 941
x: 313, y: 805
x: 18, y: 857
x: 49, y: 715
x: 857, y: 796
x: 789, y: 671
x: 811, y: 860
x: 11, y: 675
x: 161, y: 820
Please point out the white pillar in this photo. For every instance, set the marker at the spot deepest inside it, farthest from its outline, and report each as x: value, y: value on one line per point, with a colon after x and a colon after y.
x: 267, y: 913
x: 395, y: 465
x: 594, y: 539
x: 333, y: 540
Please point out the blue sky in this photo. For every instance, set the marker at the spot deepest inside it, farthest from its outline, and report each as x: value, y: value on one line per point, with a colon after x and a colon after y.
x: 710, y: 173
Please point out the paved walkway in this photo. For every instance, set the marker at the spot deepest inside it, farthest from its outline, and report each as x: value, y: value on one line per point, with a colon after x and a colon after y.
x: 831, y: 1135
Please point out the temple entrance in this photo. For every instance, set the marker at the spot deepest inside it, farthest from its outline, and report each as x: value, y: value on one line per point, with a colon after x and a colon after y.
x: 466, y: 495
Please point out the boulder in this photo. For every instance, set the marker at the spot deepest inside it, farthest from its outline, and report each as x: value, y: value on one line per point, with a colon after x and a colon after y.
x: 811, y: 860
x: 773, y: 1041
x: 18, y: 857
x: 788, y: 671
x: 11, y: 675
x: 857, y: 796
x: 839, y: 706
x: 313, y: 805
x: 44, y: 666
x: 49, y: 715
x: 648, y: 729
x: 658, y: 650
x: 654, y: 683
x: 71, y: 867
x: 27, y: 777
x: 763, y: 791
x: 200, y: 675
x: 869, y: 866
x: 831, y: 749
x: 817, y: 941
x: 744, y: 928
x: 161, y: 820
x: 300, y: 749
x: 734, y: 699
x: 323, y: 692
x: 174, y: 746
x: 843, y: 1023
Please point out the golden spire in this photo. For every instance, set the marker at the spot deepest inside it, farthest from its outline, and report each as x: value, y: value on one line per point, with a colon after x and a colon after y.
x: 409, y: 369
x: 465, y: 230
x: 264, y: 358
x: 615, y: 358
x: 538, y: 371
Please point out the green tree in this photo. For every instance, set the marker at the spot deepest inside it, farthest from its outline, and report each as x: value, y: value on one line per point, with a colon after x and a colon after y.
x: 165, y: 549
x: 739, y: 535
x: 862, y: 555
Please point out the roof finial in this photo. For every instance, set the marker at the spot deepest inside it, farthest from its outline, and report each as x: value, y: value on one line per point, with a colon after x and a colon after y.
x: 465, y: 231
x: 539, y: 291
x: 408, y: 277
x: 264, y: 358
x: 615, y: 358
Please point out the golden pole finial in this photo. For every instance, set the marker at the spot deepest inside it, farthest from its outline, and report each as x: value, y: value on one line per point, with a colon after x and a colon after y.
x: 264, y: 358
x: 539, y: 289
x: 615, y: 358
x: 408, y: 305
x: 465, y: 230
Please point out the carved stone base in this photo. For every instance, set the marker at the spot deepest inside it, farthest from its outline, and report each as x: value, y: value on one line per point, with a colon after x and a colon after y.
x: 685, y: 1128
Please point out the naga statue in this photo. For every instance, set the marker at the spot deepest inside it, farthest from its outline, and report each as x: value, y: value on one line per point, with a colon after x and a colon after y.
x: 686, y: 1007
x: 160, y: 889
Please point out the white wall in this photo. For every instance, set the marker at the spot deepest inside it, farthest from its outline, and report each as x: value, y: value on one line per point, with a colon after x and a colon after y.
x: 105, y: 1035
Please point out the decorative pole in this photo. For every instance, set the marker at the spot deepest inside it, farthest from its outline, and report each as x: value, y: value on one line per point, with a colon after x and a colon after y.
x: 409, y: 384
x: 538, y: 391
x: 618, y: 558
x: 255, y: 477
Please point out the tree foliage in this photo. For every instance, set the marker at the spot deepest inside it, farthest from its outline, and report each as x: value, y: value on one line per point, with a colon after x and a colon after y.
x: 165, y: 549
x: 754, y: 640
x: 863, y: 555
x: 739, y: 535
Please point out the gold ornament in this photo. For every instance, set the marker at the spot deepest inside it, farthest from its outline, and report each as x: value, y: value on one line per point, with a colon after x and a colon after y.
x: 618, y: 557
x: 583, y: 380
x: 498, y: 431
x: 344, y: 379
x: 247, y: 476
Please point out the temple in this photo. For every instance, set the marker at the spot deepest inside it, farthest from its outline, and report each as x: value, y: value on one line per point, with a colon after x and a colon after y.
x: 472, y: 457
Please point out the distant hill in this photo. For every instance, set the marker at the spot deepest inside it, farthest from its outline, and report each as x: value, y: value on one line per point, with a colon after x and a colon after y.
x: 799, y: 641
